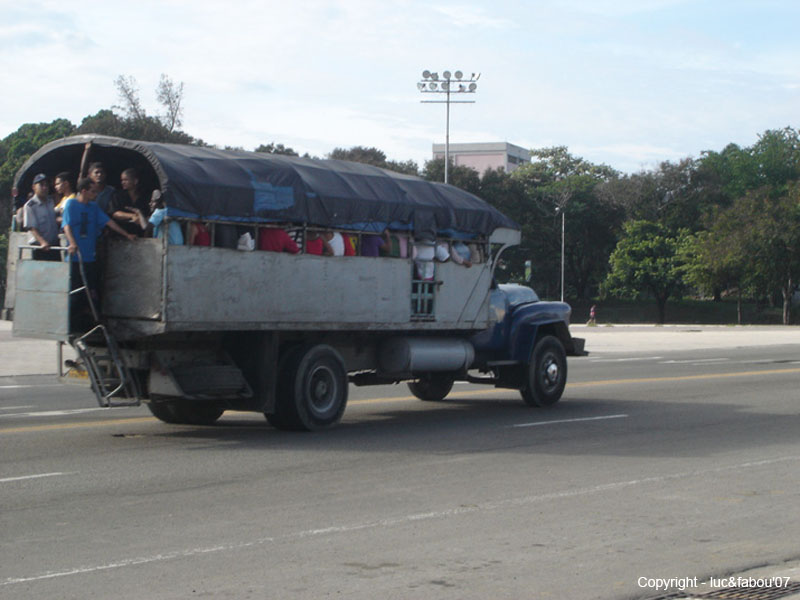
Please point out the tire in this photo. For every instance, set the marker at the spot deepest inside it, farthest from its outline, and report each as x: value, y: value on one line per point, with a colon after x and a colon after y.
x: 181, y: 412
x: 546, y: 374
x: 163, y: 411
x: 432, y: 387
x: 312, y: 389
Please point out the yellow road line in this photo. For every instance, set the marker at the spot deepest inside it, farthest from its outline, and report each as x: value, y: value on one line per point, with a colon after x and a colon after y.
x: 683, y: 377
x: 78, y: 425
x: 368, y: 401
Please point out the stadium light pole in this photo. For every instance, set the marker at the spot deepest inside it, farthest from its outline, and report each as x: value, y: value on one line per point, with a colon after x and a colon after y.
x: 450, y: 83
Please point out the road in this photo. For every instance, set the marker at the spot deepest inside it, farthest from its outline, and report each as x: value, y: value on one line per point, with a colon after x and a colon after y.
x: 655, y: 465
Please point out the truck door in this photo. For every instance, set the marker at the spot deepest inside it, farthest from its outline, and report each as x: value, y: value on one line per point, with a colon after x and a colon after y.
x: 41, y: 305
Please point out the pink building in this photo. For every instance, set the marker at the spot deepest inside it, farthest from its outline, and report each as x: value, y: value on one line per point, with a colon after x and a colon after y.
x: 488, y: 155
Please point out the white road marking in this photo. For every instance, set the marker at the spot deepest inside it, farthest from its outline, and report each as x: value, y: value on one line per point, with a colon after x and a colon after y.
x: 394, y: 521
x: 54, y: 413
x: 693, y: 361
x: 40, y: 385
x: 539, y: 423
x: 23, y: 477
x: 626, y: 359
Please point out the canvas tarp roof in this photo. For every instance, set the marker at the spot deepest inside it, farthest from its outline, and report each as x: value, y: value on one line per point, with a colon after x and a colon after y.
x: 249, y: 186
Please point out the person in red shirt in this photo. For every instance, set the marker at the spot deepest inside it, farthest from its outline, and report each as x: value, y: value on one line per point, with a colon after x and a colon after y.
x: 276, y: 240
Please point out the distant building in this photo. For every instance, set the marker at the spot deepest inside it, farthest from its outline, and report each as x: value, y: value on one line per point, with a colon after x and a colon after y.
x: 482, y: 156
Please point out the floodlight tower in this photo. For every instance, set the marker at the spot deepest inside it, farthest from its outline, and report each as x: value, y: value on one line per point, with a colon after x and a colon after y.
x: 451, y: 83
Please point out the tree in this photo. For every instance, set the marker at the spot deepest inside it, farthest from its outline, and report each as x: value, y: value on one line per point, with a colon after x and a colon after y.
x: 170, y: 96
x: 135, y: 123
x: 16, y: 148
x: 646, y: 259
x: 128, y: 91
x: 461, y: 176
x: 557, y: 183
x: 668, y: 194
x: 373, y: 156
x: 770, y: 228
x: 273, y: 148
x: 717, y: 260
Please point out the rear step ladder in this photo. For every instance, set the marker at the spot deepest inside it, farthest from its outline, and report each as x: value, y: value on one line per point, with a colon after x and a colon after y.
x: 108, y: 374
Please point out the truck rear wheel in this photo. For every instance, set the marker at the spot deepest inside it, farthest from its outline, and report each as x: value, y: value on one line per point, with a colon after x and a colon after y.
x: 432, y: 387
x: 312, y: 389
x: 182, y: 412
x: 546, y: 374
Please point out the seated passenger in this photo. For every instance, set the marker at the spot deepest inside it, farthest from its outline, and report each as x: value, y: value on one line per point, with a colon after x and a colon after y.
x: 274, y: 239
x: 423, y: 251
x: 373, y: 244
x: 442, y: 251
x: 126, y: 201
x: 398, y: 245
x: 199, y: 234
x: 317, y: 244
x: 461, y: 254
x: 155, y: 224
x: 339, y: 245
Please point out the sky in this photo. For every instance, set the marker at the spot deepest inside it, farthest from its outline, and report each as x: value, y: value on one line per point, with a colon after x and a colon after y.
x: 627, y: 83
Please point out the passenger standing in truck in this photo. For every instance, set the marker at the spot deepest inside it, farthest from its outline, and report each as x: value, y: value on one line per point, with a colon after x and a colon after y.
x: 97, y: 173
x: 64, y: 189
x: 39, y: 217
x: 83, y: 222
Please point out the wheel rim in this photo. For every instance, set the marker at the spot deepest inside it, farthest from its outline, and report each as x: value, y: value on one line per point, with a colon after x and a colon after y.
x: 550, y: 372
x: 323, y: 390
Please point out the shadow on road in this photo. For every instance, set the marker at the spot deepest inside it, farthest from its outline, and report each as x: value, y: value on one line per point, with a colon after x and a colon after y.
x: 578, y: 426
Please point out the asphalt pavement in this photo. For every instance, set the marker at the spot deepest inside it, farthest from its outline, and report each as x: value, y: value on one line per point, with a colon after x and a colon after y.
x: 20, y: 356
x: 644, y: 471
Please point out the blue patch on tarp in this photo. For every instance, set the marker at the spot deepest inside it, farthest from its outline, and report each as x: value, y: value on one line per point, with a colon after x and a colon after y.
x: 270, y: 197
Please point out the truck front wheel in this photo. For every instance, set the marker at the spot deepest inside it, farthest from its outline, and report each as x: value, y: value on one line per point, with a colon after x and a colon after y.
x: 432, y: 387
x: 546, y: 374
x: 312, y: 389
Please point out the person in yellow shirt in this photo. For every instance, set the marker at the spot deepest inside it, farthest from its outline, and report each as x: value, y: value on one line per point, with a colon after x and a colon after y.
x: 63, y: 185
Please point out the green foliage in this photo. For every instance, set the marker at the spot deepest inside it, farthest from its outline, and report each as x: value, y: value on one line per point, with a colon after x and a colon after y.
x: 555, y: 163
x: 273, y: 148
x: 558, y: 182
x: 374, y: 157
x: 145, y: 128
x: 773, y: 161
x: 460, y: 176
x: 16, y: 148
x: 646, y: 261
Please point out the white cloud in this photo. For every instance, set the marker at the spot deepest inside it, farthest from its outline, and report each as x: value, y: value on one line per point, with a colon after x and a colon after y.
x: 621, y: 82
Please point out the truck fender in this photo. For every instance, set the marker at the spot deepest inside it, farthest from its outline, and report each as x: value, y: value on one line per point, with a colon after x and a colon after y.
x: 527, y: 331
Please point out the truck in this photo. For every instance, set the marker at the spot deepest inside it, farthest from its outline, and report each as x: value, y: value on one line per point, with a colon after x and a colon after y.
x: 195, y: 330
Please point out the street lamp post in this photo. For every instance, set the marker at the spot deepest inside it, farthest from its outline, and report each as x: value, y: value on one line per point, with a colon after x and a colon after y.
x: 451, y: 83
x: 563, y: 237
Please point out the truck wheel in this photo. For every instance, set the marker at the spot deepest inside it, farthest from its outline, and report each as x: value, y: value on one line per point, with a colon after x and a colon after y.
x: 178, y: 412
x: 312, y: 389
x: 547, y: 373
x: 432, y: 387
x: 163, y: 411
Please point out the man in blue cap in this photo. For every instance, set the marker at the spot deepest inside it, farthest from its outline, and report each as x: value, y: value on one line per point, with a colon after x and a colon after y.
x: 39, y: 217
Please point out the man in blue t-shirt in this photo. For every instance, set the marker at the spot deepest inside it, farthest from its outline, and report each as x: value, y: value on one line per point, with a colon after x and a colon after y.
x: 83, y: 222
